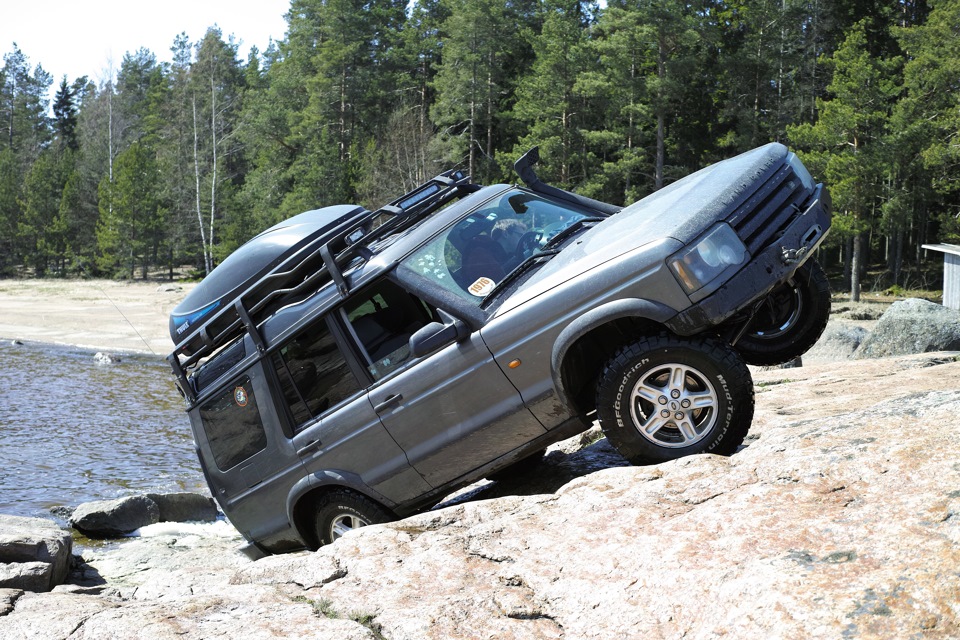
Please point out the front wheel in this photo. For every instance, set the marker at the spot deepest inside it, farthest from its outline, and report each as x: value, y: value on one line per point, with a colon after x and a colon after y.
x: 665, y: 397
x: 342, y: 510
x: 790, y: 320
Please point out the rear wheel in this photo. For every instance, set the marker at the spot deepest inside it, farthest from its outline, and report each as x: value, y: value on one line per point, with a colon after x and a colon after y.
x: 790, y: 320
x: 665, y: 397
x: 342, y: 510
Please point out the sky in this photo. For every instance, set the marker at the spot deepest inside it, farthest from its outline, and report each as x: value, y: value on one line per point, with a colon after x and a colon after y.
x: 81, y: 37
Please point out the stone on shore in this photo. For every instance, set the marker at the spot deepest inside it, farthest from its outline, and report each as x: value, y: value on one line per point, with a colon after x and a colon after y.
x: 34, y: 554
x: 114, y: 518
x: 912, y: 326
x: 185, y: 507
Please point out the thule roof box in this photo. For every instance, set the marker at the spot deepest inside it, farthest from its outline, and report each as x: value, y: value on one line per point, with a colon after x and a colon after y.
x: 289, y: 262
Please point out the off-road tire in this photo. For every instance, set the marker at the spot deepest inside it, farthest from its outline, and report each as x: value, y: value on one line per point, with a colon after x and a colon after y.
x: 665, y: 397
x: 790, y: 320
x: 342, y: 510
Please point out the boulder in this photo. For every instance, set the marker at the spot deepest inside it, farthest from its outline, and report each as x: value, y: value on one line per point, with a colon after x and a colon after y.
x: 839, y: 342
x: 912, y: 326
x: 113, y: 518
x: 185, y: 507
x: 34, y: 553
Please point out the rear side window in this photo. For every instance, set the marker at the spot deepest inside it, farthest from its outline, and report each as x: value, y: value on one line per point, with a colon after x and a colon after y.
x: 233, y: 425
x: 313, y: 373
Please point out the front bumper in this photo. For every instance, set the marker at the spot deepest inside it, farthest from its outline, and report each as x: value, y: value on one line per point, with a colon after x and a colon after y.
x: 771, y: 267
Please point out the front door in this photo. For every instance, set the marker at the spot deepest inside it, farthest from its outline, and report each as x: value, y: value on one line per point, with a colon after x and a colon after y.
x: 451, y: 411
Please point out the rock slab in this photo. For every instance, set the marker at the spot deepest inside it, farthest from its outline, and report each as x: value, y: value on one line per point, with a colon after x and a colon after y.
x: 838, y: 519
x: 34, y: 553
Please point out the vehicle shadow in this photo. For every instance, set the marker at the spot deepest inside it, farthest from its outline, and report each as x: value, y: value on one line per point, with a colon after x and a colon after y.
x: 557, y: 468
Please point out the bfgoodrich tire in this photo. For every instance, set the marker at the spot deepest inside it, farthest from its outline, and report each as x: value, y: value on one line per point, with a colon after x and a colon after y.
x: 342, y: 510
x: 665, y: 397
x: 790, y: 320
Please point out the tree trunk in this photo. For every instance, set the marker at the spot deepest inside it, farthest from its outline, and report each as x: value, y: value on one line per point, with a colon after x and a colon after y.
x: 855, y: 268
x: 213, y: 171
x: 196, y: 175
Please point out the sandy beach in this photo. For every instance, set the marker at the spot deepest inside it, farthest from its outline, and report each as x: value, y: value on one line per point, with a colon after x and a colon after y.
x: 107, y: 315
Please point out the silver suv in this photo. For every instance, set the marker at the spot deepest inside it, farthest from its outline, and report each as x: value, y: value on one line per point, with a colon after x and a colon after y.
x: 348, y: 367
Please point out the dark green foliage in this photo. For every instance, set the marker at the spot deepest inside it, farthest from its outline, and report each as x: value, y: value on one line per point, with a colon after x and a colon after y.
x: 172, y: 165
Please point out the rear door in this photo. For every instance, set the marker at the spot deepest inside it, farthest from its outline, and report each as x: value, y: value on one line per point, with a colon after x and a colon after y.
x: 334, y: 428
x: 451, y: 411
x: 249, y: 462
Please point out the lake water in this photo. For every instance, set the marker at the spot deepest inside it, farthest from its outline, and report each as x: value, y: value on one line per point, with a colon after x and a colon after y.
x: 74, y: 430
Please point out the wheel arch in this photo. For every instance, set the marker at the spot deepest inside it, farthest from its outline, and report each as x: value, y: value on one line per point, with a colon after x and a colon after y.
x: 305, y: 494
x: 585, y: 344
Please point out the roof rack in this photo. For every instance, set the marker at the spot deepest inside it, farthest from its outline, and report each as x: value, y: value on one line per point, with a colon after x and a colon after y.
x: 301, y: 273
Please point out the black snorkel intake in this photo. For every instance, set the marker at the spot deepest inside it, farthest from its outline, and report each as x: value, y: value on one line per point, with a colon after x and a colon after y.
x: 524, y: 168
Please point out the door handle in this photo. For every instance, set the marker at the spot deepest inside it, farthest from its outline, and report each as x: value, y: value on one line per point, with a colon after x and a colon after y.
x: 309, y: 447
x: 388, y: 402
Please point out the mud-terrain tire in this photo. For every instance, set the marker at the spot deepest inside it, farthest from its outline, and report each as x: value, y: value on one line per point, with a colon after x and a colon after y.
x: 790, y: 320
x: 665, y: 397
x: 342, y: 510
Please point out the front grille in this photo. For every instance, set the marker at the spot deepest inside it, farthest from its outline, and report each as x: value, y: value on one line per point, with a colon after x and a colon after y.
x: 764, y: 216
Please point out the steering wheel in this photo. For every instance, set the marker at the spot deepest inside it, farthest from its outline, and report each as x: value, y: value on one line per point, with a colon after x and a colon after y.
x: 527, y: 243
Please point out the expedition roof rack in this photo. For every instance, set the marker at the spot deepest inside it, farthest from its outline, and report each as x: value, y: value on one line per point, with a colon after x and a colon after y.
x: 308, y: 265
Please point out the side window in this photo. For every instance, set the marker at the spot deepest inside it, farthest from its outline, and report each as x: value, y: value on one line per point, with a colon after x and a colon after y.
x: 383, y: 319
x: 313, y: 373
x: 233, y: 425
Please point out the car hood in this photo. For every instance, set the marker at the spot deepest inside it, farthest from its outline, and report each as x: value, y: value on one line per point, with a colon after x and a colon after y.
x: 679, y: 212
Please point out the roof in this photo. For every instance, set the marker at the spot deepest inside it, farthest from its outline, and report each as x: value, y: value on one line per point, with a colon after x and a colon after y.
x: 953, y: 249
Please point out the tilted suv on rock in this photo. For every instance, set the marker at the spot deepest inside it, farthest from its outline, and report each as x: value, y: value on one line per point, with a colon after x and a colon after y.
x: 347, y: 367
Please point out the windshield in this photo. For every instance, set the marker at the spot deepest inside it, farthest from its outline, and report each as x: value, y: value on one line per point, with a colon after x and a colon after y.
x: 471, y: 257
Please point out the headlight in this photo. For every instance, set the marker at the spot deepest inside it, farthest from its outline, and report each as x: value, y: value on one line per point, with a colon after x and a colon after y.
x: 698, y: 265
x: 805, y: 178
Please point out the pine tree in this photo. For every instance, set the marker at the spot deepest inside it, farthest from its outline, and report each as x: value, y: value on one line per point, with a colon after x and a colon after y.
x: 65, y: 115
x: 846, y: 142
x: 548, y: 101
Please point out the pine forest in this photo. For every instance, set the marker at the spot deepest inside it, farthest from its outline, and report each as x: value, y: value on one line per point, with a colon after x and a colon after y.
x: 160, y: 169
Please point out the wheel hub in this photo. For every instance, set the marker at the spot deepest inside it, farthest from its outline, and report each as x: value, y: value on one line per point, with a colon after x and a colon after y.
x: 344, y: 523
x: 674, y: 405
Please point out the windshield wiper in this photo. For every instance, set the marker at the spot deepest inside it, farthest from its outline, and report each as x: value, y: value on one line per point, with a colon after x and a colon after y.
x: 569, y: 231
x: 520, y: 269
x: 547, y: 251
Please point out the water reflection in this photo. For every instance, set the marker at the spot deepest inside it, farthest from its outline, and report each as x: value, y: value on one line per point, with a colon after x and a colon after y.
x: 75, y: 431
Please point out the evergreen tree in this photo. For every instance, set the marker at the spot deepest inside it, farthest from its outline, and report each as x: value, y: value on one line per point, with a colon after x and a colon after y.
x: 130, y: 213
x: 846, y: 141
x: 10, y: 183
x: 470, y: 82
x: 39, y: 233
x: 548, y: 100
x: 65, y: 115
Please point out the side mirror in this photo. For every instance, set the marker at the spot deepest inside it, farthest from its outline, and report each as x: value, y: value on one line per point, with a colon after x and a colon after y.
x: 436, y: 335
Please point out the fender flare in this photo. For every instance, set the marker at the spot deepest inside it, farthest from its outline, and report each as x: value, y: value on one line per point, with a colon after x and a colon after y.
x: 597, y: 317
x: 329, y: 478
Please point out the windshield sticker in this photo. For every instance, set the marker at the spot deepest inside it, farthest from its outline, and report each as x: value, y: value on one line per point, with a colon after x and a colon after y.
x: 482, y: 286
x: 240, y: 396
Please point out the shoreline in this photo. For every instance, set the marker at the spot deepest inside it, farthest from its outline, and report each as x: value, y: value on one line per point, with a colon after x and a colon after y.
x: 99, y: 315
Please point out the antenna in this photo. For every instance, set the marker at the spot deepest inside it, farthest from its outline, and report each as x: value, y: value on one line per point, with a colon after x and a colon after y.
x: 127, y: 320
